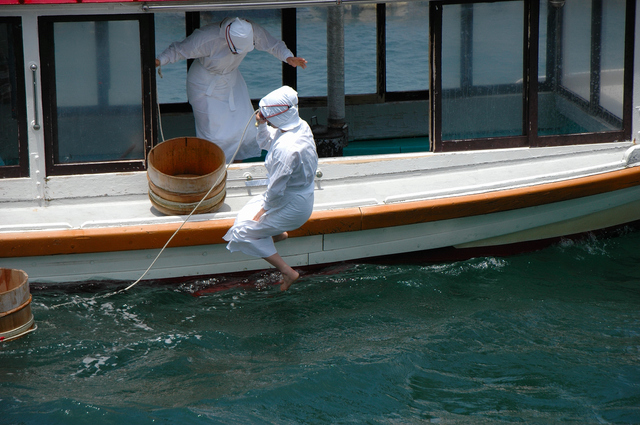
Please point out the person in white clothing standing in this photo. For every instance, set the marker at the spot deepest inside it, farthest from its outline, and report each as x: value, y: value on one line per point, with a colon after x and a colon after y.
x: 215, y: 88
x: 287, y: 204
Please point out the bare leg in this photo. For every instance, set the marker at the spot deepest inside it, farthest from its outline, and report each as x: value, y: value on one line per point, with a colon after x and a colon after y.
x: 282, y: 236
x: 288, y: 274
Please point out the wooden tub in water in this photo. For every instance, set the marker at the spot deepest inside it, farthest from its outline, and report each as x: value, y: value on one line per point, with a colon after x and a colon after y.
x: 16, y: 318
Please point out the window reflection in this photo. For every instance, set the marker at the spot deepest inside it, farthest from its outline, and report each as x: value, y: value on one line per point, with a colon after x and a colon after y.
x: 452, y: 47
x: 482, y: 46
x: 170, y: 27
x: 98, y: 91
x: 360, y: 48
x: 407, y: 28
x: 9, y: 144
x: 585, y: 68
x: 312, y: 45
x: 576, y: 36
x: 497, y: 43
x: 612, y: 56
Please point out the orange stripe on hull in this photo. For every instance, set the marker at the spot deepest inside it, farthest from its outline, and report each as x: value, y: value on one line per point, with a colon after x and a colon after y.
x: 378, y: 216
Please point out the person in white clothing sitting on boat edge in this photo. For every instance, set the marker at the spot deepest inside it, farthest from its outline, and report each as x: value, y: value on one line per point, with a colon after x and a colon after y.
x: 215, y: 88
x: 287, y: 204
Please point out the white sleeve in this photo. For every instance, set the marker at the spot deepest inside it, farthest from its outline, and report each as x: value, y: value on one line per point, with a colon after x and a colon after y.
x: 279, y: 177
x: 265, y: 136
x: 197, y: 45
x: 268, y: 43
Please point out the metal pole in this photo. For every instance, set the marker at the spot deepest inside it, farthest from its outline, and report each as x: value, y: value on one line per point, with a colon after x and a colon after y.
x: 335, y: 66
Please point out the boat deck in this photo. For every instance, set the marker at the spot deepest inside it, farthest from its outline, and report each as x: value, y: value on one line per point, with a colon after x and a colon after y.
x: 348, y: 182
x: 104, y: 227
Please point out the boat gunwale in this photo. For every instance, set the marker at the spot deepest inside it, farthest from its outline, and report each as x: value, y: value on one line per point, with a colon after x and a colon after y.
x: 350, y: 219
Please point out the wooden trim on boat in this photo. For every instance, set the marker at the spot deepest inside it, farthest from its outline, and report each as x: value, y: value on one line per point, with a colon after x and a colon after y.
x: 108, y: 239
x: 492, y: 202
x: 154, y: 236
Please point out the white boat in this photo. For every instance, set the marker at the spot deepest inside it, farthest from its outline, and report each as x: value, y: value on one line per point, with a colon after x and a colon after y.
x: 479, y: 184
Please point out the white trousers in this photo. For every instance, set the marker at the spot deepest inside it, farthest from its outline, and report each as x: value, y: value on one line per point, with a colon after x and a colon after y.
x: 255, y: 237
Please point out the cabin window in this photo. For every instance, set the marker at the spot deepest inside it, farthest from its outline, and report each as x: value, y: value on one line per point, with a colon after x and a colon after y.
x: 582, y: 67
x: 14, y: 157
x: 170, y: 27
x: 407, y: 46
x: 482, y: 70
x: 359, y: 49
x: 506, y: 73
x: 526, y: 73
x: 97, y: 93
x: 304, y: 30
x: 311, y: 29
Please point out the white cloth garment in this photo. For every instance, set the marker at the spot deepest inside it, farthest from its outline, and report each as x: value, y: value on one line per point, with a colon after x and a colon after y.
x: 215, y: 88
x: 291, y: 164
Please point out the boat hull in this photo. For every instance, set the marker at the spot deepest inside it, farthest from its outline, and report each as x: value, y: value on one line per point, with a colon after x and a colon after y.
x: 343, y: 239
x: 365, y: 208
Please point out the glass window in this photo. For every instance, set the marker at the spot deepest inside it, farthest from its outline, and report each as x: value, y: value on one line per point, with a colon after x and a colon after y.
x: 311, y: 27
x: 542, y: 43
x: 98, y: 91
x: 170, y: 27
x: 407, y: 29
x: 482, y: 44
x: 452, y: 47
x: 585, y: 68
x: 612, y: 57
x: 360, y: 48
x: 13, y: 141
x: 497, y: 43
x: 576, y: 47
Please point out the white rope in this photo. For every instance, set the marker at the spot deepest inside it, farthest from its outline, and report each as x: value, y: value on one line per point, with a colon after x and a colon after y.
x: 158, y: 103
x: 190, y: 214
x: 194, y: 210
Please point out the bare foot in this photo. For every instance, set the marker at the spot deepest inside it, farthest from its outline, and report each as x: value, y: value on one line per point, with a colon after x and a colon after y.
x: 282, y: 236
x: 288, y: 279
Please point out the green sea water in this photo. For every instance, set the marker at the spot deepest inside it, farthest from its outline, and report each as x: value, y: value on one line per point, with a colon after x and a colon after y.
x: 546, y: 337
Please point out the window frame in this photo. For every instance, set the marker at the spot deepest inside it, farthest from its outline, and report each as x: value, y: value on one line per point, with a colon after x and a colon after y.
x: 529, y: 137
x: 289, y: 74
x: 598, y: 137
x: 148, y: 95
x: 22, y: 168
x: 530, y: 58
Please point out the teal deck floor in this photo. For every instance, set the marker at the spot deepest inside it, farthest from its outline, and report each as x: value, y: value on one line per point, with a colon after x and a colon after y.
x: 387, y: 146
x: 377, y: 147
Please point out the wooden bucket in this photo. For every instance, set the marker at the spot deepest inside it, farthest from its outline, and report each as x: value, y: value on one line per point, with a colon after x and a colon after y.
x: 16, y: 319
x: 181, y: 171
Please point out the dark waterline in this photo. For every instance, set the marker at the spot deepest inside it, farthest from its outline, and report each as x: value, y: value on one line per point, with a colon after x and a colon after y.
x: 546, y: 337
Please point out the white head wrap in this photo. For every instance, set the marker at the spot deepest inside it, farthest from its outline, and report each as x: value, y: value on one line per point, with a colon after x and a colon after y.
x: 280, y: 108
x: 241, y: 34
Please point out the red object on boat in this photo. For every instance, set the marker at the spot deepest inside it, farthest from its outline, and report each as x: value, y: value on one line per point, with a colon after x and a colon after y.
x: 27, y: 2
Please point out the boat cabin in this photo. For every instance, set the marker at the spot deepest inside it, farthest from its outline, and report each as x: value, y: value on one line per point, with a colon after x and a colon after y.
x: 79, y: 93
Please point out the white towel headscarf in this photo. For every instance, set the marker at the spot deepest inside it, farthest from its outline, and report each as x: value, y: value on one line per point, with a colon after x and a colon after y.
x: 280, y: 108
x: 239, y: 34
